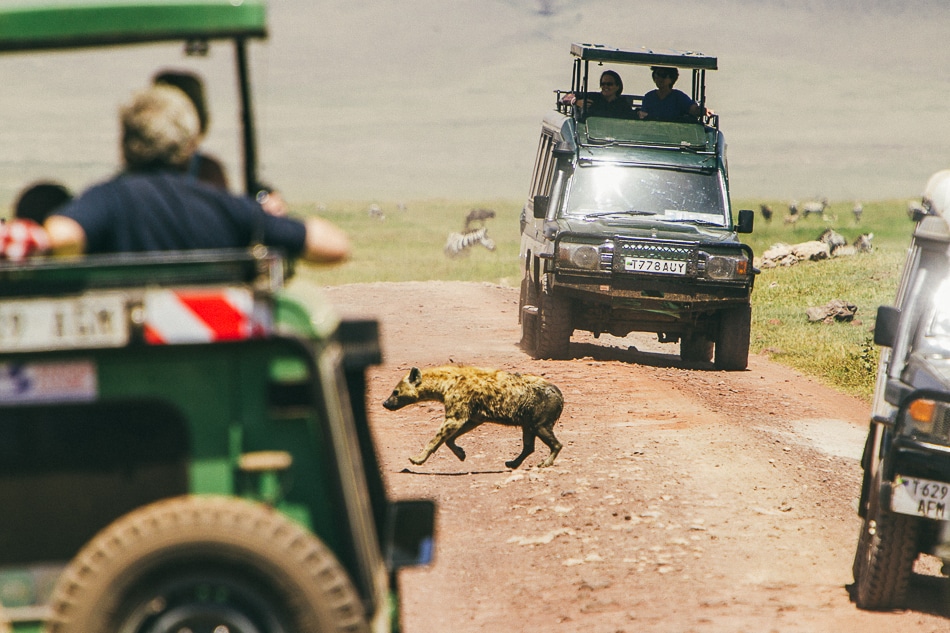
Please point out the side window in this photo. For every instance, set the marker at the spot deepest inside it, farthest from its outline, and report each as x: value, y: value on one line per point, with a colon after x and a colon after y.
x: 543, y: 166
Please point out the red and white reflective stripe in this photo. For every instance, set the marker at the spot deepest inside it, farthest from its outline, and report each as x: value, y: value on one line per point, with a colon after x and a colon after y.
x: 201, y: 316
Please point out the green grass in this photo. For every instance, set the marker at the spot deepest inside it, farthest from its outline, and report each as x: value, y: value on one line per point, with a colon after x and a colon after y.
x: 407, y: 246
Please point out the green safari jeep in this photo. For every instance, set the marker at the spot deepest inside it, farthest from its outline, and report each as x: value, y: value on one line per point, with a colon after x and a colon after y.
x: 183, y: 447
x: 628, y: 226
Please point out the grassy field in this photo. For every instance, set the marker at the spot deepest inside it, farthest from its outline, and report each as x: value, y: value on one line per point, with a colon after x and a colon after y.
x: 407, y: 245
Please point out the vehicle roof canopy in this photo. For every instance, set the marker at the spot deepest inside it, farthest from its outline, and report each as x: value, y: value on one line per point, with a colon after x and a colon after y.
x: 643, y: 57
x: 51, y: 24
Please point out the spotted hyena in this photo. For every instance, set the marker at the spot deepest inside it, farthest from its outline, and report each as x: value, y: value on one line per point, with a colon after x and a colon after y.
x: 472, y: 396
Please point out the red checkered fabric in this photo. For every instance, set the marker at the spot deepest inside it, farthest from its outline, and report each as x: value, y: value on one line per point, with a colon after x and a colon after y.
x: 21, y: 238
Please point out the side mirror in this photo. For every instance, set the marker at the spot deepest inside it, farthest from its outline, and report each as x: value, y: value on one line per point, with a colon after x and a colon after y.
x: 410, y: 533
x: 885, y: 328
x: 746, y: 219
x: 541, y: 204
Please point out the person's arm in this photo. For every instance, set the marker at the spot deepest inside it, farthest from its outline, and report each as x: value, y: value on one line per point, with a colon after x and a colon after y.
x: 66, y: 236
x: 325, y: 242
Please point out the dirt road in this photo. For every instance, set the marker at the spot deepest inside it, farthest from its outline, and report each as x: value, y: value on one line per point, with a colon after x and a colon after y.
x: 685, y: 499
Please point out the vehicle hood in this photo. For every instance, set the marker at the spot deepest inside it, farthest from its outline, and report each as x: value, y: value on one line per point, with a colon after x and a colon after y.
x: 645, y: 227
x: 928, y: 372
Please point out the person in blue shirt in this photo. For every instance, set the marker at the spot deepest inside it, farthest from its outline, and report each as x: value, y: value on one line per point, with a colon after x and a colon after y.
x: 153, y: 204
x: 667, y: 103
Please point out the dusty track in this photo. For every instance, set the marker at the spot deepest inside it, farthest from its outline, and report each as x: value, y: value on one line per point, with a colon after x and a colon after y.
x: 685, y: 499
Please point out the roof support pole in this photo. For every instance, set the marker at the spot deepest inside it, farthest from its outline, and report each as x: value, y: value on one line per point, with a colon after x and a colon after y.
x: 251, y: 183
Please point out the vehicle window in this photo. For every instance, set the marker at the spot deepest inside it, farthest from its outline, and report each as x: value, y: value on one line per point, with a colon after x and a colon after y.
x: 672, y: 195
x: 543, y: 166
x: 936, y: 336
x: 926, y: 311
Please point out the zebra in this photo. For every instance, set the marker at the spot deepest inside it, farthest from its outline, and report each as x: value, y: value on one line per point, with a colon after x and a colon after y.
x: 457, y: 243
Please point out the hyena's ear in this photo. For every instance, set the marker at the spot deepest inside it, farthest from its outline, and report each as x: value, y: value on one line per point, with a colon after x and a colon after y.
x: 415, y: 376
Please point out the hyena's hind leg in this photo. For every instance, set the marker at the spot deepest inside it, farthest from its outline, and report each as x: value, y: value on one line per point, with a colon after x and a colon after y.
x: 545, y: 428
x: 546, y: 433
x: 528, y: 447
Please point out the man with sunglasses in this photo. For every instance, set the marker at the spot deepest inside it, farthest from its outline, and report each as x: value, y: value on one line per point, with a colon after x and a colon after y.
x: 666, y: 103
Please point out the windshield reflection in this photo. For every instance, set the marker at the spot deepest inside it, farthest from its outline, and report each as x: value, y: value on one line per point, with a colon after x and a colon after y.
x: 598, y: 190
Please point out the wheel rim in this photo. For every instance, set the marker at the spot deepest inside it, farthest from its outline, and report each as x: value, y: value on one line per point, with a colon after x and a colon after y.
x: 201, y: 603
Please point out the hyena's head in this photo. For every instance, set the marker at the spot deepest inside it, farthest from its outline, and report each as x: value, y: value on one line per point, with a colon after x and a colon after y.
x: 406, y: 392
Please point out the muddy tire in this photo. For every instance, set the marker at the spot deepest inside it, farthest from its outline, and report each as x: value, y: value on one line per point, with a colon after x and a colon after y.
x: 528, y: 318
x: 884, y: 560
x: 205, y: 564
x: 732, y: 342
x: 696, y: 348
x: 555, y: 326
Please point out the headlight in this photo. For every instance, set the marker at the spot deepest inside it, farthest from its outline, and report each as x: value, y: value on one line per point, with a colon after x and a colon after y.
x: 726, y: 266
x: 582, y: 256
x: 927, y: 417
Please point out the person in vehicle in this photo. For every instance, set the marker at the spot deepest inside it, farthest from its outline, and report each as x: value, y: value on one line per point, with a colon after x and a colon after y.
x: 667, y: 103
x: 154, y: 205
x: 609, y: 102
x: 204, y: 166
x: 23, y: 236
x: 39, y: 199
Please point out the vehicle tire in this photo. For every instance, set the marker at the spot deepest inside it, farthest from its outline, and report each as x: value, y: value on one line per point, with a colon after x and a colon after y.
x: 554, y: 326
x: 205, y: 564
x: 528, y: 320
x: 884, y: 560
x: 732, y: 343
x: 696, y: 347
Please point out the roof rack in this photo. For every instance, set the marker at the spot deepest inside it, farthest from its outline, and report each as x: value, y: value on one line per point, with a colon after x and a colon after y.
x: 644, y: 57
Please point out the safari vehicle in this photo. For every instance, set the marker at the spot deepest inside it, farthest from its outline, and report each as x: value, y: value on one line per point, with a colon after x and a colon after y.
x: 905, y: 493
x: 628, y: 226
x: 183, y: 446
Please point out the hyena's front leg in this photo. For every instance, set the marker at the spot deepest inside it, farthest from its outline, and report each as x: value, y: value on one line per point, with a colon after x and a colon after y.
x: 455, y: 448
x: 449, y: 429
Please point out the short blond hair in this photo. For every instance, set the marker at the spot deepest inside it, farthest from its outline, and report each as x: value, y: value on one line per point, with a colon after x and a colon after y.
x: 160, y: 127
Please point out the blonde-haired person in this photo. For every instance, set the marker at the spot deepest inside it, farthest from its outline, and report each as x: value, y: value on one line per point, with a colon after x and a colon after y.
x: 154, y: 205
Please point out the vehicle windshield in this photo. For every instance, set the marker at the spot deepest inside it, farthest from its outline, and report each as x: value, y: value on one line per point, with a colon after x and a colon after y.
x: 665, y: 194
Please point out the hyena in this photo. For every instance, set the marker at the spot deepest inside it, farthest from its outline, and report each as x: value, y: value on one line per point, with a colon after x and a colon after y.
x: 472, y: 396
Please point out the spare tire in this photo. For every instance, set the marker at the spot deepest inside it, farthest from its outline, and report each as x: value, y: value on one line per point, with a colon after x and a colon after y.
x: 199, y: 563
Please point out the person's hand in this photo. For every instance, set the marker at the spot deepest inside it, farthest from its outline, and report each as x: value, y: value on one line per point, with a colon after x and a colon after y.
x: 272, y: 202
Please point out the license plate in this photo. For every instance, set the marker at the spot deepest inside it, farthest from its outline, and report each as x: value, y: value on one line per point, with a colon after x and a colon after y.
x: 921, y: 497
x: 660, y: 266
x: 92, y: 320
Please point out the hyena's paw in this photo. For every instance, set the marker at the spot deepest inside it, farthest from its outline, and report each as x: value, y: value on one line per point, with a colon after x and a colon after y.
x: 418, y: 460
x: 458, y: 450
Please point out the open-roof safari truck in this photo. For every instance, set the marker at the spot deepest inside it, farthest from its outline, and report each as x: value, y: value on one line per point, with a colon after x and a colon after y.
x: 628, y: 226
x: 905, y: 493
x: 182, y: 446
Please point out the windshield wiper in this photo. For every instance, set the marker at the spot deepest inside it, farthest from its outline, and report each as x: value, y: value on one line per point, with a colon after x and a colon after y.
x: 692, y: 221
x: 601, y: 214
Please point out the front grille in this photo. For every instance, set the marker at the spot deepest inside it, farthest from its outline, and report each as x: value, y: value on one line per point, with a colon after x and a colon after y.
x: 656, y: 250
